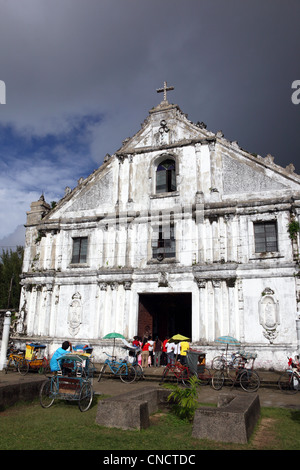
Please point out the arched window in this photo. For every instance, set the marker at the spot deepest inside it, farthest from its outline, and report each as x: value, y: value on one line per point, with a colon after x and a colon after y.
x: 166, y: 177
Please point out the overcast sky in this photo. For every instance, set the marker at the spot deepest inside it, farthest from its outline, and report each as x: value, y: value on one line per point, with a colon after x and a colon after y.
x: 81, y: 76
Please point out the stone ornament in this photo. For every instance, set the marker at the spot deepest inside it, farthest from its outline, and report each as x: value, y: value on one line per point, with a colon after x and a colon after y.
x: 75, y: 314
x: 269, y: 314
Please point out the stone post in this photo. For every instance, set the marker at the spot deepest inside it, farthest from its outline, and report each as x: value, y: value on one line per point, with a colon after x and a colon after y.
x: 5, y: 338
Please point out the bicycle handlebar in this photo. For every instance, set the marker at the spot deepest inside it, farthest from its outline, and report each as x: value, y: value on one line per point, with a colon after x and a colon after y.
x: 113, y: 357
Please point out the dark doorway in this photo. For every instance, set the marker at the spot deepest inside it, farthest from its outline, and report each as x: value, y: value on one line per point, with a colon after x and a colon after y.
x: 165, y: 315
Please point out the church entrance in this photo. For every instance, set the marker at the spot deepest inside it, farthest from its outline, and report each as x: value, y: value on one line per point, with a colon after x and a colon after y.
x: 165, y: 315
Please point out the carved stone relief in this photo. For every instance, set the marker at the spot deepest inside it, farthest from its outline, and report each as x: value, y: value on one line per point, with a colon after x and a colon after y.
x: 269, y: 315
x: 75, y: 314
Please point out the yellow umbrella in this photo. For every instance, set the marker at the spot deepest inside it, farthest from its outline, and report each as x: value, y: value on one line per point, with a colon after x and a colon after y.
x: 178, y: 337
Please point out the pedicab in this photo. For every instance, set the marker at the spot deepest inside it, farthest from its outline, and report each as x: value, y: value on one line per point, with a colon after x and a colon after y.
x: 34, y: 359
x: 195, y: 361
x: 72, y: 382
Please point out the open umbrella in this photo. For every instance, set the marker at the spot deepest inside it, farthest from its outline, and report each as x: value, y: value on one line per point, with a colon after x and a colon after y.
x: 179, y: 338
x: 228, y: 340
x: 113, y: 336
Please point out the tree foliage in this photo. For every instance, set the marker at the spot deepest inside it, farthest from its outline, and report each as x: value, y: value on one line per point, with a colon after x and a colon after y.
x: 10, y: 271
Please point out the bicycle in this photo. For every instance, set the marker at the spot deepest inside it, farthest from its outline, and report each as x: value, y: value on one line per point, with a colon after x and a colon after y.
x: 289, y: 381
x: 15, y: 358
x: 126, y: 371
x: 181, y: 373
x: 248, y: 379
x: 220, y: 362
x: 133, y: 354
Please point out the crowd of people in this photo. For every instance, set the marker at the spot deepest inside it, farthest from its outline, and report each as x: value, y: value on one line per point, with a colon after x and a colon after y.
x: 156, y: 353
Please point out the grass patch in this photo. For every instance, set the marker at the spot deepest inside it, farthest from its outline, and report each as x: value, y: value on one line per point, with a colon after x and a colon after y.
x: 64, y: 427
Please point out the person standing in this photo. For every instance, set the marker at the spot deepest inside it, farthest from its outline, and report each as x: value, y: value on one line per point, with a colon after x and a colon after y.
x: 170, y: 352
x: 145, y: 353
x: 151, y: 343
x: 157, y: 351
x: 184, y: 347
x: 164, y: 358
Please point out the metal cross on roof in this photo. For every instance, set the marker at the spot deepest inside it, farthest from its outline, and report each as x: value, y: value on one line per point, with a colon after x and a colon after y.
x: 164, y: 90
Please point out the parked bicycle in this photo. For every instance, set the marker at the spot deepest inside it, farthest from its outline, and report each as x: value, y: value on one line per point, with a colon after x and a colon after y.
x: 122, y: 368
x: 289, y: 381
x: 220, y: 362
x: 133, y: 354
x: 247, y: 378
x: 14, y: 358
x: 177, y: 372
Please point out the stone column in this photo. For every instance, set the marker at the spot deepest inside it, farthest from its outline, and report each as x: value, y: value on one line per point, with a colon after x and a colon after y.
x: 5, y: 339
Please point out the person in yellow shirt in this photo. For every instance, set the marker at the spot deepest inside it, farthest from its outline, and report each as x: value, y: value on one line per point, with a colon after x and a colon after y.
x: 184, y: 347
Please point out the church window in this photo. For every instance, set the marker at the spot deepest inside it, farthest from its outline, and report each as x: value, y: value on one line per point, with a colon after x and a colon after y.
x: 164, y: 243
x: 79, y: 250
x: 166, y: 177
x: 265, y: 234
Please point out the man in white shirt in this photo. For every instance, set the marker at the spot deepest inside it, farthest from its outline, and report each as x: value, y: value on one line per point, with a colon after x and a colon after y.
x: 171, y: 352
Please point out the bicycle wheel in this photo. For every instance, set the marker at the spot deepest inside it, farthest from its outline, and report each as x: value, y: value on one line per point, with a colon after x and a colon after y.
x: 165, y: 374
x: 47, y: 393
x: 218, y: 363
x: 218, y: 380
x: 90, y: 369
x: 288, y: 383
x: 11, y: 365
x: 102, y: 371
x: 127, y: 373
x: 85, y: 397
x: 45, y: 368
x: 185, y: 377
x: 139, y: 372
x: 23, y: 367
x: 249, y: 381
x: 204, y: 376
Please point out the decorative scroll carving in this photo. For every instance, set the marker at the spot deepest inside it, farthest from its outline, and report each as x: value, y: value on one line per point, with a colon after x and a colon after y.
x: 75, y: 314
x: 269, y: 315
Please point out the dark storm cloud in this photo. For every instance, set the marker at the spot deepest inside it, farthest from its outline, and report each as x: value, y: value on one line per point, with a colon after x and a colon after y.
x: 232, y: 64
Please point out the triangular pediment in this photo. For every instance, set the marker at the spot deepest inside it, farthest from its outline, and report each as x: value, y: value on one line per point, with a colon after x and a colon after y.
x: 93, y: 195
x: 243, y: 177
x: 166, y: 125
x: 243, y: 172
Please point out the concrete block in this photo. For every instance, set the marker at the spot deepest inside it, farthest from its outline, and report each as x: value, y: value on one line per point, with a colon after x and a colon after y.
x: 131, y: 410
x: 232, y: 421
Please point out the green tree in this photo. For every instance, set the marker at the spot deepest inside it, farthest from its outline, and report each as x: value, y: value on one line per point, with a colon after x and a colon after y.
x: 10, y: 271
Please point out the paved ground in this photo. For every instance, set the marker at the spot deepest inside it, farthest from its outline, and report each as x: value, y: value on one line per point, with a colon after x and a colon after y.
x: 269, y: 393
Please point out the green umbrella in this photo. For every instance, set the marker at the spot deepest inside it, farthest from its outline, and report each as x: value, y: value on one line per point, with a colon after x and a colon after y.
x: 113, y: 336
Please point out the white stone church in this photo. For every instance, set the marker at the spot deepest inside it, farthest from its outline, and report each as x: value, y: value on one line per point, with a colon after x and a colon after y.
x: 179, y: 231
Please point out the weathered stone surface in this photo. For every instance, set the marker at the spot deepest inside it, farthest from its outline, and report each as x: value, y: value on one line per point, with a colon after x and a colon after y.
x: 130, y: 410
x: 232, y: 421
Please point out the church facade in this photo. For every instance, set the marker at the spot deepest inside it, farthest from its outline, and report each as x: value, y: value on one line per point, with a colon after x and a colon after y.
x: 179, y: 231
